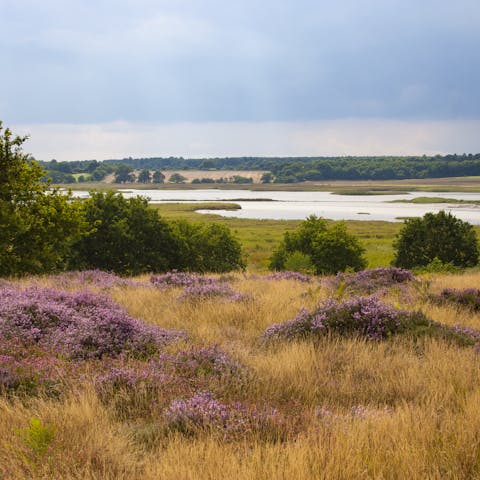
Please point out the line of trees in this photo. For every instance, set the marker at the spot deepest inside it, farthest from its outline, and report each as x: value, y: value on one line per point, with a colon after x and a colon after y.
x: 44, y: 230
x: 280, y: 170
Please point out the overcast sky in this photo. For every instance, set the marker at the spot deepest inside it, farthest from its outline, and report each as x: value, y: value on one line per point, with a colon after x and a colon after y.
x: 109, y: 78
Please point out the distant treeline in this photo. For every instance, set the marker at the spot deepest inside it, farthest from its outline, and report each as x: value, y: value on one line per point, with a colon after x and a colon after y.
x: 283, y: 169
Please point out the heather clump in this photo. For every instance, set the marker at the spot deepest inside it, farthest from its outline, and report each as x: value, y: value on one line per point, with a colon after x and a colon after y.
x: 78, y: 325
x: 210, y: 290
x: 207, y: 368
x: 197, y: 287
x: 94, y: 278
x: 204, y: 413
x: 468, y: 298
x: 288, y: 275
x: 372, y: 280
x: 30, y: 375
x: 204, y: 361
x: 367, y: 317
x: 178, y: 279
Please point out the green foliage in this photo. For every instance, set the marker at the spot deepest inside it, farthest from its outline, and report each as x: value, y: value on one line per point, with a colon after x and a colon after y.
x: 298, y: 262
x: 335, y: 250
x: 437, y: 266
x: 124, y: 174
x: 38, y: 436
x: 128, y: 237
x: 441, y: 236
x: 37, y: 225
x: 330, y: 249
x: 177, y: 178
x: 266, y: 177
x: 208, y: 247
x: 240, y: 180
x: 158, y: 177
x: 144, y: 176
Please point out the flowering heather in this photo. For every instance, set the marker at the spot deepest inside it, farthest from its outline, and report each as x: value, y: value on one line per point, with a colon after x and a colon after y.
x: 94, y: 278
x: 364, y: 316
x: 29, y: 375
x: 369, y: 281
x: 469, y: 298
x: 78, y: 325
x: 300, y: 277
x: 203, y: 361
x: 212, y: 289
x: 179, y: 279
x: 467, y: 331
x: 204, y: 412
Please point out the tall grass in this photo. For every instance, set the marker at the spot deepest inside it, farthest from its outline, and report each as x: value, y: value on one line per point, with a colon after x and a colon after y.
x: 351, y: 408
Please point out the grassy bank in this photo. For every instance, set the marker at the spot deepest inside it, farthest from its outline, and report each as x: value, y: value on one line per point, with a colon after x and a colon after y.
x: 346, y: 187
x: 346, y: 408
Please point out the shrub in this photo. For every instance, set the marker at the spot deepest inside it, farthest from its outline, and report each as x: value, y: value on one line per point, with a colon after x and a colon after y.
x: 370, y: 281
x: 94, y: 278
x: 329, y: 250
x: 79, y: 325
x: 30, y: 375
x: 288, y: 275
x: 298, y: 262
x: 204, y: 362
x: 178, y: 279
x: 368, y: 318
x: 211, y: 289
x: 469, y: 298
x: 37, y: 224
x: 363, y: 316
x: 203, y: 412
x: 440, y: 236
x: 208, y: 248
x: 127, y: 237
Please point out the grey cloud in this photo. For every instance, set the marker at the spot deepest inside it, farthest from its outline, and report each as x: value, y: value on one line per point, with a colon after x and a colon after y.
x: 211, y: 60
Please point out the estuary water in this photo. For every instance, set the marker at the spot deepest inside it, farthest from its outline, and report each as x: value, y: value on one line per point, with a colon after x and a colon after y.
x: 279, y: 205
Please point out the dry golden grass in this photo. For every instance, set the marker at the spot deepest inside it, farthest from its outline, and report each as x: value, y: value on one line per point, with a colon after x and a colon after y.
x: 430, y: 429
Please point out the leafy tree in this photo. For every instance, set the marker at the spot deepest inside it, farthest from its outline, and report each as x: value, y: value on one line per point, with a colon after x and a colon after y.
x: 330, y: 249
x: 266, y: 177
x: 144, y: 176
x: 240, y: 179
x: 128, y: 237
x: 209, y: 248
x: 158, y: 177
x: 177, y: 178
x: 439, y: 236
x: 37, y: 224
x: 124, y: 174
x: 335, y: 250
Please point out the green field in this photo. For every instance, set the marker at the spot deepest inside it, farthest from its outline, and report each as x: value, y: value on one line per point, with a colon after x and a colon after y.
x: 260, y: 237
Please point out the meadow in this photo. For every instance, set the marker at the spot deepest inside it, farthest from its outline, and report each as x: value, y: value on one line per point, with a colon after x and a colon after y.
x: 182, y: 376
x: 259, y: 237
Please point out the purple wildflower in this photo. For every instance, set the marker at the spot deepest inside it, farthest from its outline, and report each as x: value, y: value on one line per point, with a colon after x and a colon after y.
x: 364, y: 316
x: 287, y: 275
x: 79, y: 325
x: 204, y: 412
x: 370, y: 281
x: 469, y: 298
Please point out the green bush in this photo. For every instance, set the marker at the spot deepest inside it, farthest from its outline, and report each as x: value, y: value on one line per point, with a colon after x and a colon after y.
x: 208, y: 248
x: 330, y: 249
x: 37, y: 224
x: 439, y: 236
x: 127, y: 237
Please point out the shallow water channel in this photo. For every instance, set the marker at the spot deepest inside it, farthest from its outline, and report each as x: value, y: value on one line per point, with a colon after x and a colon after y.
x: 279, y: 205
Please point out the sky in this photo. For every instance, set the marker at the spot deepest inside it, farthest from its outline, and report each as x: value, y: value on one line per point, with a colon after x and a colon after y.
x: 115, y: 78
